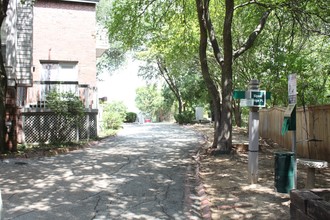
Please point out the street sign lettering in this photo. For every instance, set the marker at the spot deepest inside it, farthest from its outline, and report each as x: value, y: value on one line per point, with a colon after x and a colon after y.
x: 292, y: 88
x: 259, y: 98
x: 246, y: 102
x: 252, y: 98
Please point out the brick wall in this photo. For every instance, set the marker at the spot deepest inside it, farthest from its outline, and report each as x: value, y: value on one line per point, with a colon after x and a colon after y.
x: 310, y: 204
x: 65, y: 31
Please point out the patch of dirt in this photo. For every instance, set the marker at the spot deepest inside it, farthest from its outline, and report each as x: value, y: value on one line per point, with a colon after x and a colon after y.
x: 47, y: 151
x: 225, y: 180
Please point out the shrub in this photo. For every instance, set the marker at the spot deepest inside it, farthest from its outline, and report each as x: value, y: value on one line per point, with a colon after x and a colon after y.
x: 130, y: 117
x: 66, y: 104
x: 114, y: 114
x: 185, y: 117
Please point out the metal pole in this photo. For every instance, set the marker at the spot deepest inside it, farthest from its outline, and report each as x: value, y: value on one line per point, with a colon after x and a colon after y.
x: 292, y: 94
x: 253, y: 137
x: 294, y: 150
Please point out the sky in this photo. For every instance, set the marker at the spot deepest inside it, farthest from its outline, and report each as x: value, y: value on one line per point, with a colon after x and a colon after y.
x: 121, y: 85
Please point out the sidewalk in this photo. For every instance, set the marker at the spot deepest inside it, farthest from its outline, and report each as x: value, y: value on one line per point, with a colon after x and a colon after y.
x: 225, y: 181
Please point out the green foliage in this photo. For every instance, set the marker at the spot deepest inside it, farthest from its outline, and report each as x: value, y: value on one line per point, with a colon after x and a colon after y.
x: 166, y: 31
x: 114, y: 115
x: 289, y: 43
x: 150, y: 101
x: 65, y: 104
x: 185, y: 117
x: 130, y: 117
x: 111, y: 60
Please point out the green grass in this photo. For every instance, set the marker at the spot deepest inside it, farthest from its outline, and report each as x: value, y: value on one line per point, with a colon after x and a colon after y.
x: 107, y: 133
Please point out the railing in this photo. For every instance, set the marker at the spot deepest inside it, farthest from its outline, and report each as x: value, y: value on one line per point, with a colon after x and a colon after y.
x: 37, y: 94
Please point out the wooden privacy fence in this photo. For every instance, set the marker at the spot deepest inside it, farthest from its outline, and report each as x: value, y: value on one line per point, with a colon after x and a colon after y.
x: 313, y: 130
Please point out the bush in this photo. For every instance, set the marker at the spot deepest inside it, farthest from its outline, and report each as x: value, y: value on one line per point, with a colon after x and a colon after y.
x: 66, y: 104
x: 130, y: 117
x: 185, y: 117
x: 114, y: 114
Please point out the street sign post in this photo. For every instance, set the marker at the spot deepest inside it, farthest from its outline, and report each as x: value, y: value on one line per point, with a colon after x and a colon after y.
x: 292, y: 94
x: 253, y: 98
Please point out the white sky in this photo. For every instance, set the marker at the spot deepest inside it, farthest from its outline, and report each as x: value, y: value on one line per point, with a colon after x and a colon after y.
x: 121, y: 85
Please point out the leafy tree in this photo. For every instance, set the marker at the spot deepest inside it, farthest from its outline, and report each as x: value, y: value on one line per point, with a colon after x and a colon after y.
x: 151, y: 71
x: 275, y: 56
x: 111, y: 59
x: 150, y: 101
x: 183, y: 80
x: 231, y: 28
x: 167, y: 46
x: 303, y: 13
x: 115, y: 56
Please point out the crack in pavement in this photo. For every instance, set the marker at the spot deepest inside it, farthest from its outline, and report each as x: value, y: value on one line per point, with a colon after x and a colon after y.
x: 122, y: 166
x: 95, y: 208
x: 140, y: 174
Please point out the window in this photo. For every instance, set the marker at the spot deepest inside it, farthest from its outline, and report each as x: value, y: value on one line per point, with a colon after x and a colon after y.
x: 21, y: 96
x: 58, y: 75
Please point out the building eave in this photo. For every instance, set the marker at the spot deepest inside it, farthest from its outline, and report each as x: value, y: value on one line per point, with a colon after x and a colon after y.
x: 82, y: 1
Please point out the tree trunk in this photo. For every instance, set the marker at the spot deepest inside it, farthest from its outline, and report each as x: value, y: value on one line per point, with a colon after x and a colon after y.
x: 3, y: 89
x: 180, y: 103
x: 225, y: 137
x: 211, y: 86
x: 171, y: 84
x: 3, y: 82
x: 237, y: 114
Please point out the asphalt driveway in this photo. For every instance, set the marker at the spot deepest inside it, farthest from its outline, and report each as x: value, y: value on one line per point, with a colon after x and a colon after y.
x: 140, y: 174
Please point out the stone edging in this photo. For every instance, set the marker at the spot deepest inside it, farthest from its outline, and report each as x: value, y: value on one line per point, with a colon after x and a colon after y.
x: 201, y: 192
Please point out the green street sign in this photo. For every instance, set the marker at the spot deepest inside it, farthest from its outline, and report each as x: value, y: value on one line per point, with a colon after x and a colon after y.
x: 238, y: 94
x: 259, y: 98
x: 252, y: 98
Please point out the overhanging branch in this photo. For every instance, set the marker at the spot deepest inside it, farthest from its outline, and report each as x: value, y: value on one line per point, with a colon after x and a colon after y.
x: 250, y: 3
x: 211, y: 33
x: 166, y: 76
x: 253, y: 36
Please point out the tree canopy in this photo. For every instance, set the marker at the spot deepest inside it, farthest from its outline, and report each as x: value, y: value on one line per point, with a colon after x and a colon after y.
x: 231, y: 42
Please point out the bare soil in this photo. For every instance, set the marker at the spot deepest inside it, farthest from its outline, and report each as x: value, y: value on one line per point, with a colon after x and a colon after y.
x: 225, y: 180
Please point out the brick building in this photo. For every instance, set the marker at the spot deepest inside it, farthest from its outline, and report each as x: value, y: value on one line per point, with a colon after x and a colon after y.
x: 51, y: 44
x: 64, y: 48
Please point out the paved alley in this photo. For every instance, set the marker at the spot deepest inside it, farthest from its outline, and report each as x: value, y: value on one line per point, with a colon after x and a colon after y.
x: 142, y: 173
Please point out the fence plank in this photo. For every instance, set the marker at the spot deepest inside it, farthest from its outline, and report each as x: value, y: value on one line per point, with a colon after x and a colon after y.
x: 314, y: 124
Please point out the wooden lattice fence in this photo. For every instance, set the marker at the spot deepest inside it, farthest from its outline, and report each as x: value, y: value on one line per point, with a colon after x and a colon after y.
x: 46, y: 126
